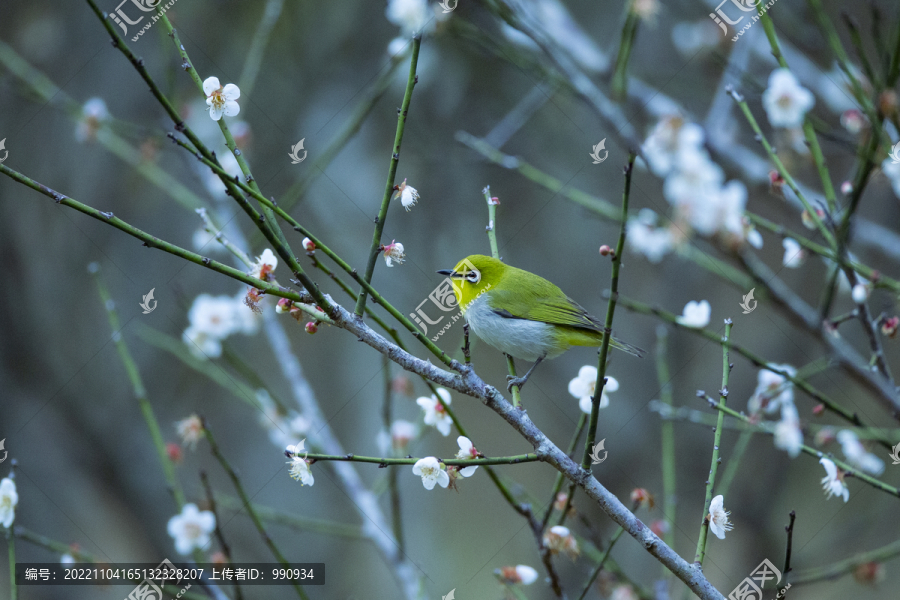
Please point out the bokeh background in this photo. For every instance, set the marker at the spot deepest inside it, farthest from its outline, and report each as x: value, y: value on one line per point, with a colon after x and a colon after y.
x: 87, y: 469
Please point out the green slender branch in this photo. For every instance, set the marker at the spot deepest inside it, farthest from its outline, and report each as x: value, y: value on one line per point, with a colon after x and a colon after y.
x: 270, y: 15
x: 894, y: 69
x: 302, y: 524
x: 610, y: 311
x: 667, y: 436
x: 848, y: 565
x: 834, y: 41
x: 755, y: 359
x: 491, y: 230
x: 626, y: 42
x: 370, y: 98
x: 140, y: 392
x: 392, y: 462
x: 49, y: 92
x: 387, y: 420
x: 734, y: 461
x: 877, y: 278
x: 248, y: 506
x: 782, y: 170
x: 809, y: 131
x: 602, y: 208
x: 376, y: 296
x: 153, y: 241
x: 849, y: 470
x: 599, y: 567
x: 268, y: 226
x: 392, y: 172
x: 220, y: 535
x: 714, y: 464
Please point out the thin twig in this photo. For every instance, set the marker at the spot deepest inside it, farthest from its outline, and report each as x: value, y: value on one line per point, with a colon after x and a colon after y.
x: 220, y: 535
x: 789, y: 528
x: 714, y: 464
x: 402, y: 113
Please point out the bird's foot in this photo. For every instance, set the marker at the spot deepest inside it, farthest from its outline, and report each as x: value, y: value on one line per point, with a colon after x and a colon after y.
x: 512, y: 380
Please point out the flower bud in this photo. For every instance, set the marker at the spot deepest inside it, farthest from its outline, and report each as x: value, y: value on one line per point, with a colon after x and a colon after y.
x: 889, y: 326
x: 308, y: 245
x: 605, y: 250
x: 312, y: 327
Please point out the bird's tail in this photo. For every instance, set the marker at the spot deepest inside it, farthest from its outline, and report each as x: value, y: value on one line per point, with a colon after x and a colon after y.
x: 632, y: 350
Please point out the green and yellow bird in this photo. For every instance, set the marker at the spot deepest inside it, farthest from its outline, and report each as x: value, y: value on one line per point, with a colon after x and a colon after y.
x: 523, y: 315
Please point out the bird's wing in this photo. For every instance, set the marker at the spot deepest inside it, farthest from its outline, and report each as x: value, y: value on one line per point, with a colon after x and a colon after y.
x: 542, y: 305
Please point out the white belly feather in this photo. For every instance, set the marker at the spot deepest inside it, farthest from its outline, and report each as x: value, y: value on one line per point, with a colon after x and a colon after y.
x: 520, y: 338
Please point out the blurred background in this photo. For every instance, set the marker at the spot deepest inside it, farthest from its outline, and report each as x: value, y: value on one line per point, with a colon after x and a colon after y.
x: 87, y: 471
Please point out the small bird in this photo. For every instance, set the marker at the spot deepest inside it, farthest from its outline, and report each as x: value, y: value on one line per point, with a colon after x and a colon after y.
x: 523, y: 315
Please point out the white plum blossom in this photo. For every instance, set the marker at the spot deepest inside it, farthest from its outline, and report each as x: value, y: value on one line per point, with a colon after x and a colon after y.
x: 859, y: 293
x: 527, y: 575
x: 773, y: 391
x: 411, y: 16
x: 788, y: 435
x: 67, y: 560
x: 583, y: 388
x: 93, y: 113
x: 755, y: 239
x: 393, y: 253
x: 201, y: 344
x: 431, y: 472
x: 401, y: 433
x: 718, y: 517
x: 265, y: 264
x: 408, y: 195
x: 695, y: 314
x: 300, y: 463
x: 190, y: 430
x: 8, y: 500
x: 643, y: 236
x: 222, y: 100
x: 794, y: 254
x: 833, y: 482
x: 786, y: 102
x: 466, y: 451
x: 670, y: 137
x: 559, y: 539
x: 435, y: 414
x: 213, y: 315
x: 857, y: 455
x: 191, y: 528
x: 891, y: 170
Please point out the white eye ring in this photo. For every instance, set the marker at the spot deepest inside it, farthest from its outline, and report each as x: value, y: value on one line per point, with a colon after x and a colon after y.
x: 473, y: 276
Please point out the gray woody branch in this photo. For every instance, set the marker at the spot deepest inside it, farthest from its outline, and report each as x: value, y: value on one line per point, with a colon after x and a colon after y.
x: 467, y: 382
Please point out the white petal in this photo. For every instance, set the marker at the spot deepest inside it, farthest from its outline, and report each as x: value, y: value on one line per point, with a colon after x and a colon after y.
x: 443, y: 479
x: 465, y: 444
x: 231, y: 91
x: 211, y: 85
x: 468, y: 471
x: 526, y: 574
x: 429, y: 482
x: 612, y: 384
x: 444, y: 426
x: 585, y: 404
x: 215, y: 113
x: 444, y: 394
x: 232, y: 108
x: 587, y: 373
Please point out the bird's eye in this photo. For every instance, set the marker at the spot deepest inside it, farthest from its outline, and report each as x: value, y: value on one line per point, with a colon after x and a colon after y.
x: 473, y: 276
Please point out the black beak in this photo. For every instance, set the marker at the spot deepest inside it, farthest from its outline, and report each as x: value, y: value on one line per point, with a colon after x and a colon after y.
x: 446, y: 271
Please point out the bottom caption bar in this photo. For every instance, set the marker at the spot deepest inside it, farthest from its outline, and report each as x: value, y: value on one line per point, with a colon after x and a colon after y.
x: 154, y: 576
